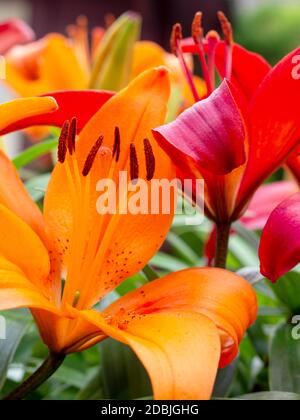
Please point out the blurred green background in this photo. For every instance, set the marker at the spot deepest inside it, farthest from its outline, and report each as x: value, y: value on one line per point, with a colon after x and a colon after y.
x: 270, y: 28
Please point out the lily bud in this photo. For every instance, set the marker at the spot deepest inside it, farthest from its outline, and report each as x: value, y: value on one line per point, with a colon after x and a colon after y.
x: 112, y: 64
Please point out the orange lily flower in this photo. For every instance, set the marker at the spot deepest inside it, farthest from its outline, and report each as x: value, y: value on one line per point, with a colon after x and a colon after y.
x: 43, y: 66
x: 183, y: 326
x: 53, y: 63
x: 56, y: 62
x: 148, y: 54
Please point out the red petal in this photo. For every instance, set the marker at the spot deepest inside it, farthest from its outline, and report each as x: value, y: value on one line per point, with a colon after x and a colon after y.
x: 12, y: 32
x: 264, y: 202
x: 248, y: 69
x: 274, y: 125
x: 280, y: 242
x: 294, y: 164
x: 81, y: 104
x: 210, y: 135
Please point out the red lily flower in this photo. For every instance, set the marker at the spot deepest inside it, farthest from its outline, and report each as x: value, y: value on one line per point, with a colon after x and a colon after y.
x: 279, y: 248
x: 264, y: 201
x: 13, y: 32
x: 235, y: 146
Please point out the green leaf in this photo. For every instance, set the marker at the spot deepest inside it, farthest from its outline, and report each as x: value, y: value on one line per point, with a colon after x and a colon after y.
x: 250, y: 237
x: 168, y: 262
x: 124, y: 377
x: 65, y: 374
x: 224, y: 380
x: 285, y: 360
x: 34, y: 152
x: 270, y: 396
x: 287, y: 289
x: 149, y: 273
x: 182, y: 249
x: 15, y: 330
x: 243, y: 252
x: 132, y: 283
x: 94, y: 390
x: 37, y: 186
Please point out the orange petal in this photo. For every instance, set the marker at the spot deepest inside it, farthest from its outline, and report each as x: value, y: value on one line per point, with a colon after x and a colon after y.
x: 146, y: 55
x: 21, y: 246
x: 15, y: 197
x: 180, y: 351
x: 227, y: 299
x: 18, y: 109
x: 16, y: 291
x: 112, y: 246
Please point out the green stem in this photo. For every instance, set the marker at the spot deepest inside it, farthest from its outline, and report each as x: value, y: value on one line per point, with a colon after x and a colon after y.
x: 44, y: 372
x: 223, y: 233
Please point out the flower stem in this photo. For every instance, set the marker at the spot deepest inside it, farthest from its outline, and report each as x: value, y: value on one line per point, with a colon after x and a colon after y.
x: 49, y: 366
x: 223, y: 233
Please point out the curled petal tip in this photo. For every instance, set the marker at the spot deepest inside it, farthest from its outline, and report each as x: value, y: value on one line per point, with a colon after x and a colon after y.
x: 162, y: 70
x: 53, y: 102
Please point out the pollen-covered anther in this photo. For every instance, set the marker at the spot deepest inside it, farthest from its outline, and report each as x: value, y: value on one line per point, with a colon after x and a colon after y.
x: 109, y: 19
x: 150, y: 159
x: 134, y: 164
x: 72, y: 135
x: 176, y: 37
x: 117, y: 145
x: 62, y: 142
x: 82, y: 21
x: 92, y: 156
x: 226, y: 28
x: 197, y: 29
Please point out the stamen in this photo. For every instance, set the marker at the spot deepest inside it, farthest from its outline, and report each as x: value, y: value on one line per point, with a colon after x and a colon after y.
x: 176, y: 37
x: 197, y: 34
x: 117, y: 145
x: 150, y: 159
x: 72, y: 135
x: 228, y: 35
x: 92, y: 156
x: 76, y: 298
x: 134, y: 164
x: 197, y: 29
x: 62, y: 142
x: 78, y: 35
x: 226, y: 28
x: 82, y: 22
